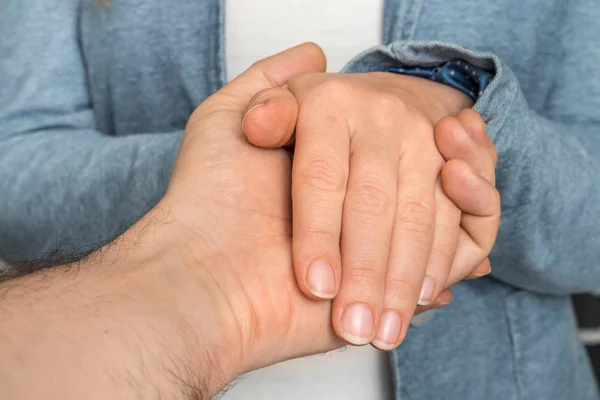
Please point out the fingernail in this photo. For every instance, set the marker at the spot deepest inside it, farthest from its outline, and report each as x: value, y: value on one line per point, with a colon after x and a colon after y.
x: 427, y: 290
x: 250, y: 110
x: 357, y: 324
x: 450, y: 300
x: 439, y: 304
x: 442, y: 304
x: 489, y: 271
x: 320, y: 279
x: 388, y: 333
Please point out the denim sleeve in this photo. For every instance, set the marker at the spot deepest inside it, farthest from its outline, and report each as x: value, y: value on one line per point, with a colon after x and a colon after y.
x: 547, y: 175
x: 63, y: 185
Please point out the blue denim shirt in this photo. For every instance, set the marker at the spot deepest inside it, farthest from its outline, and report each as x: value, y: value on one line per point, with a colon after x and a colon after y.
x: 93, y: 101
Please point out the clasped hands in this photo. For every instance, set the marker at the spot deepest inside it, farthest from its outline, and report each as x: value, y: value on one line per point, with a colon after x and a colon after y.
x: 392, y: 202
x: 392, y: 197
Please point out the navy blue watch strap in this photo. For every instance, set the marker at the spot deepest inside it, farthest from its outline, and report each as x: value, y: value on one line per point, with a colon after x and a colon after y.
x: 458, y: 74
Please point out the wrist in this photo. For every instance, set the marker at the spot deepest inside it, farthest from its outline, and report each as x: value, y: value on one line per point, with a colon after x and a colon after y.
x: 118, y: 320
x: 261, y: 315
x: 435, y: 100
x: 188, y: 299
x: 451, y: 101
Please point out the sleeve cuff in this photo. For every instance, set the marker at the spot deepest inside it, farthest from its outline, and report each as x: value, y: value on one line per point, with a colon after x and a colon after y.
x: 494, y: 103
x: 457, y: 74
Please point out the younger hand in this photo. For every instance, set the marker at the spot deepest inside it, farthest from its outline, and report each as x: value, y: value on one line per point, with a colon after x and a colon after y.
x: 366, y: 174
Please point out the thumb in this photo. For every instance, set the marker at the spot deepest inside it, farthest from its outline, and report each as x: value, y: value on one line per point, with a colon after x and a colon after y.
x: 270, y: 72
x: 270, y: 119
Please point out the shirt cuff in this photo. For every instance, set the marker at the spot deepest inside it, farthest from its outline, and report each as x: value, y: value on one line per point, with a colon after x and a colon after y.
x: 458, y: 74
x: 494, y: 102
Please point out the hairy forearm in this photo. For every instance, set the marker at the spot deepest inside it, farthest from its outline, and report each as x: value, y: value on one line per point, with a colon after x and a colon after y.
x: 114, y: 325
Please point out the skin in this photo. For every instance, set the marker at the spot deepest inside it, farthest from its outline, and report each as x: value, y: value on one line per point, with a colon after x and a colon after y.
x: 373, y: 226
x: 199, y: 291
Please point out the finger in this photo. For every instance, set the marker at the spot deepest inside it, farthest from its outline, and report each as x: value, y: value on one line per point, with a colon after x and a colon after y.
x: 443, y: 249
x: 475, y: 126
x: 469, y: 262
x: 454, y: 142
x: 270, y: 72
x: 472, y: 193
x: 411, y: 244
x: 270, y: 119
x: 484, y: 268
x: 480, y: 220
x: 444, y: 298
x: 319, y: 177
x: 468, y: 189
x: 367, y: 225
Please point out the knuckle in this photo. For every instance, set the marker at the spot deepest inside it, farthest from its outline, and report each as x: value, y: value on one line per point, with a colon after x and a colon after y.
x: 323, y: 174
x: 260, y: 68
x: 311, y: 242
x: 442, y: 254
x: 365, y: 275
x: 449, y: 213
x: 304, y: 80
x: 332, y: 93
x: 320, y: 236
x: 256, y: 65
x: 415, y: 216
x: 425, y: 127
x: 369, y: 199
x: 401, y: 288
x: 334, y: 86
x: 390, y: 104
x: 374, y: 153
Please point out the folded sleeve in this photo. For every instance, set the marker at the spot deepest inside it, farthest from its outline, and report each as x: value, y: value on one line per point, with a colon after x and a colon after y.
x: 64, y: 186
x: 547, y: 174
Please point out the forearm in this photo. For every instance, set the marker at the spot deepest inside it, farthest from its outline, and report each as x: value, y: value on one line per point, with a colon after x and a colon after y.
x: 123, y: 323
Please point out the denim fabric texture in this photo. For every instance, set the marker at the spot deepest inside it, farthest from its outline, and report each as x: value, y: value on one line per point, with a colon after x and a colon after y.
x: 458, y: 74
x: 94, y: 99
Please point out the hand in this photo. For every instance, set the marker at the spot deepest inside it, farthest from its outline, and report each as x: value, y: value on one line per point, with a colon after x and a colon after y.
x: 365, y: 174
x: 231, y: 202
x: 196, y: 293
x: 468, y: 179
